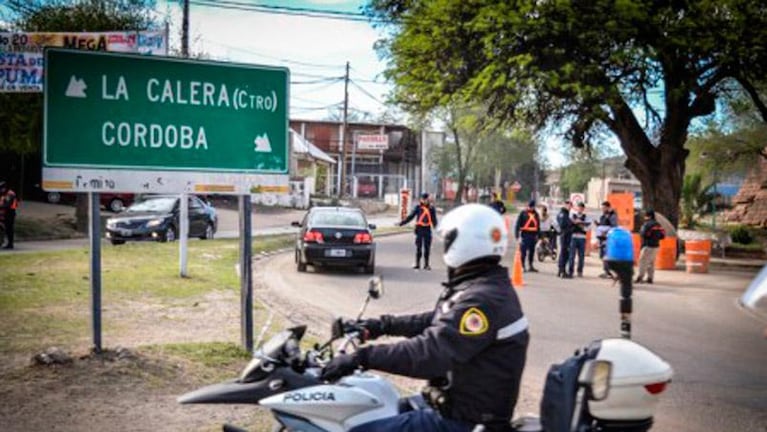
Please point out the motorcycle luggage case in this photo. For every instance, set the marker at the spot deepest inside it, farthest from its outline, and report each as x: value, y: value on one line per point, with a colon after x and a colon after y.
x: 638, y: 379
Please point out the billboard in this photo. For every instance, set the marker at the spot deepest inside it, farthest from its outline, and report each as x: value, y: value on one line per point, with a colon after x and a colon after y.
x: 21, y: 53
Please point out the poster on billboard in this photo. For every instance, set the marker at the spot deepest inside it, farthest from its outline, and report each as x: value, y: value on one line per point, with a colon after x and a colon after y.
x: 21, y: 53
x: 373, y: 142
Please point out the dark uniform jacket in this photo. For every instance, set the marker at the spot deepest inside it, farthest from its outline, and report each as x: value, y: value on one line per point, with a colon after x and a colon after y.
x: 564, y: 222
x: 651, y: 234
x: 476, y: 338
x: 608, y: 219
x: 416, y: 214
x: 522, y: 222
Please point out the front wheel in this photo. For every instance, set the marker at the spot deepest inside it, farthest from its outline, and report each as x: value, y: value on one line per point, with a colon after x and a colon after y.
x: 208, y: 235
x: 116, y: 205
x: 169, y: 235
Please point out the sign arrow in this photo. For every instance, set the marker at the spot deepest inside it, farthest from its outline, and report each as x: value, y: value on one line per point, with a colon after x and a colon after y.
x: 262, y: 144
x: 76, y: 88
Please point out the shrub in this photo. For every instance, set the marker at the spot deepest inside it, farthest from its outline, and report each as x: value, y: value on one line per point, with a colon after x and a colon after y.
x: 741, y: 234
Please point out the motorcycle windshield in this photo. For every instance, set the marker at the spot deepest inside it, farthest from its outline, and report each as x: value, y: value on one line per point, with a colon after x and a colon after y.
x: 755, y: 297
x: 237, y: 392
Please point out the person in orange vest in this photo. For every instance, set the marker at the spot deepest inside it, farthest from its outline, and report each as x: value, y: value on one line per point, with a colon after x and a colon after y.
x: 8, y: 205
x: 529, y: 225
x: 425, y: 220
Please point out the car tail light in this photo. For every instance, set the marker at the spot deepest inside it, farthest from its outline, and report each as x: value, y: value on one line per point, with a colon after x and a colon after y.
x: 312, y: 236
x: 656, y: 388
x: 363, y: 238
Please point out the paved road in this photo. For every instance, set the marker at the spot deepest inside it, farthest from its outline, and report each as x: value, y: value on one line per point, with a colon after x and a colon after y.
x: 717, y: 351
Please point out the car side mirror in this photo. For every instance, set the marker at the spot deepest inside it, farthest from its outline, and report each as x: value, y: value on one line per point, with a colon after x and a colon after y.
x: 296, y: 224
x: 595, y: 377
x: 372, y: 226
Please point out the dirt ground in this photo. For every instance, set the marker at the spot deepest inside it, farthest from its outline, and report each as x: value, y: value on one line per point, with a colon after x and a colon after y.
x: 134, y: 390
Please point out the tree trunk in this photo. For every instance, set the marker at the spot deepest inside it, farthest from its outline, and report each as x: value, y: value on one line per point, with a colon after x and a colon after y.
x: 661, y: 173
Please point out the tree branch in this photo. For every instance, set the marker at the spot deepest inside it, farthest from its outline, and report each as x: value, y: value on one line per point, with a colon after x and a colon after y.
x: 754, y: 94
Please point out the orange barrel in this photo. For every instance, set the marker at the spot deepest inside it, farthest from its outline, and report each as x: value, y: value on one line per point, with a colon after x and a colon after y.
x: 697, y: 254
x: 588, y: 243
x: 666, y: 259
x: 637, y: 240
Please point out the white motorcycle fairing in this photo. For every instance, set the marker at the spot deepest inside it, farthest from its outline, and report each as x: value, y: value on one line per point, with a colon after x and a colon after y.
x: 354, y: 400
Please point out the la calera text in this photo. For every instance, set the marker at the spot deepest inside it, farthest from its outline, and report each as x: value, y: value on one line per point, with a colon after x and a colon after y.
x: 174, y: 92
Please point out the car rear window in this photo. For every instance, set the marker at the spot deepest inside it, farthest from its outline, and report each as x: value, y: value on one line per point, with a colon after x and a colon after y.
x: 338, y: 218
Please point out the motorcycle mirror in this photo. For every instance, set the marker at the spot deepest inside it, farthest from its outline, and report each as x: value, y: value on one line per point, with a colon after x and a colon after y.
x: 375, y: 287
x: 595, y: 376
x: 337, y: 329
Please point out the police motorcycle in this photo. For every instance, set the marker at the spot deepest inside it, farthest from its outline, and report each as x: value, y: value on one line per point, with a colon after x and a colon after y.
x: 610, y: 385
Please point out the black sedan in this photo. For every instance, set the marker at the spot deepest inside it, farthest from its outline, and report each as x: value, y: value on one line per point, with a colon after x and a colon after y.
x: 157, y: 218
x: 336, y: 236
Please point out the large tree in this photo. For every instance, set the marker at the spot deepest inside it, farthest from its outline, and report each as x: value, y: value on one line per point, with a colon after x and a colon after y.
x: 21, y: 114
x: 640, y: 70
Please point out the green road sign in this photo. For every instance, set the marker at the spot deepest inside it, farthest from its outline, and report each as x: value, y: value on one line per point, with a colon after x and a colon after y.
x: 107, y: 110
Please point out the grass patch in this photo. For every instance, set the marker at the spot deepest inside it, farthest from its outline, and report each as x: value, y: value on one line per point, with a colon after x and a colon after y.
x: 46, y: 295
x: 216, y: 355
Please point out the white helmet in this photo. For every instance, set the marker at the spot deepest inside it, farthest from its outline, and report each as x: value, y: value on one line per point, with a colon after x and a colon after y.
x: 470, y: 232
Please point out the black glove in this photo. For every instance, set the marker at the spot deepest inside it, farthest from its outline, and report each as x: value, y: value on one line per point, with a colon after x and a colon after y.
x: 342, y: 365
x: 371, y: 328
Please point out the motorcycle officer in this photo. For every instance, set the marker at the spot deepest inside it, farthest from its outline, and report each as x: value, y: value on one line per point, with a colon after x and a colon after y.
x: 471, y: 348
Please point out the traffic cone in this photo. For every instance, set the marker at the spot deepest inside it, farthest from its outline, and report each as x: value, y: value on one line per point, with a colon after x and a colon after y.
x: 516, y: 275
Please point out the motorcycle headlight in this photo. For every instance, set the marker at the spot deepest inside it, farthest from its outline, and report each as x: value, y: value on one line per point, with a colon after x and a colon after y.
x: 154, y: 223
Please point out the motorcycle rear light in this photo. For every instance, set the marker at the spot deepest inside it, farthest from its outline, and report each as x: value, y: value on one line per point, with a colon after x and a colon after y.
x: 363, y: 238
x: 656, y: 388
x: 313, y: 237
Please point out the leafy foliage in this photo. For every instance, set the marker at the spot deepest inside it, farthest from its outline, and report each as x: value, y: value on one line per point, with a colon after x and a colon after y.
x: 586, y: 67
x: 741, y: 234
x: 21, y: 121
x: 696, y: 199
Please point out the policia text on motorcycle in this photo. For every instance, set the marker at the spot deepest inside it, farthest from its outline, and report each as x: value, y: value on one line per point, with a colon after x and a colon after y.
x: 529, y: 225
x: 425, y: 220
x: 471, y: 347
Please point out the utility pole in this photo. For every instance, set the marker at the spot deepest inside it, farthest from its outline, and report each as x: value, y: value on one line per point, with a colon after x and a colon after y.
x: 344, y: 180
x: 185, y: 30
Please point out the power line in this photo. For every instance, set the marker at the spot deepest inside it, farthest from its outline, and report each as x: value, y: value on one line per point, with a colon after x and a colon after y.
x: 246, y: 51
x: 285, y: 10
x: 360, y: 88
x: 319, y: 81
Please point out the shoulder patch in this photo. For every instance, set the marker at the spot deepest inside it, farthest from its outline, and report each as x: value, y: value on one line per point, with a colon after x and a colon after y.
x: 473, y: 322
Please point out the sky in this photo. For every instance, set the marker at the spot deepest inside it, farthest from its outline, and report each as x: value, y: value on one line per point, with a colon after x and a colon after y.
x: 314, y: 49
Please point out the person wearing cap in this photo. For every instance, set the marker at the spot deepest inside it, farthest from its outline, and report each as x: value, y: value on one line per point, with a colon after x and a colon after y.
x: 607, y: 220
x: 498, y: 204
x: 565, y: 228
x: 581, y: 223
x: 426, y: 219
x: 529, y: 227
x: 650, y: 234
x: 8, y: 205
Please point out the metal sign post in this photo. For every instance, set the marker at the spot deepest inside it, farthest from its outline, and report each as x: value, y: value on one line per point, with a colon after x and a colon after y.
x: 246, y: 272
x: 183, y: 234
x: 94, y: 234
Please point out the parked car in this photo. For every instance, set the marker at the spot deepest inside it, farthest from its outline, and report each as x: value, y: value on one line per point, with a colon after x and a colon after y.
x: 114, y: 202
x: 367, y: 189
x: 335, y: 236
x: 157, y: 218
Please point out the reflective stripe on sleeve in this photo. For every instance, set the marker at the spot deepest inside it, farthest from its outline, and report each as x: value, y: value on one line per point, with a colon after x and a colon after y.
x: 513, y: 329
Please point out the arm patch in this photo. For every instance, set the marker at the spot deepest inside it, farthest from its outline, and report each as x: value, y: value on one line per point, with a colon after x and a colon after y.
x: 473, y: 322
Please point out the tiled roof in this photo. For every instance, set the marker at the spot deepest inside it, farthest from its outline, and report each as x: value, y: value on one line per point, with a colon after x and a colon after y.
x: 750, y: 203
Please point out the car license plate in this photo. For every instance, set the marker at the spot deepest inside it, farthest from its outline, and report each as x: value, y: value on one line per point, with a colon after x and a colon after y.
x: 336, y: 252
x: 125, y: 232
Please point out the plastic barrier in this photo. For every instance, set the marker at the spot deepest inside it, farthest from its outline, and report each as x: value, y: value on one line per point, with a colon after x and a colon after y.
x: 697, y: 255
x: 666, y: 259
x: 637, y: 240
